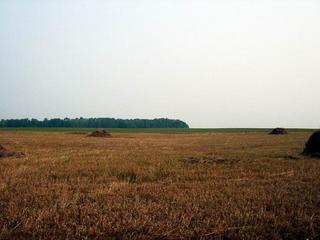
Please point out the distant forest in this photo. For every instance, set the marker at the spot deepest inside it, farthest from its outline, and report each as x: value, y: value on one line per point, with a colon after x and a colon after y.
x: 94, y: 123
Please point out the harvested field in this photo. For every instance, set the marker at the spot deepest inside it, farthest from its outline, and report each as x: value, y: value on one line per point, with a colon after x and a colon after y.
x: 136, y: 186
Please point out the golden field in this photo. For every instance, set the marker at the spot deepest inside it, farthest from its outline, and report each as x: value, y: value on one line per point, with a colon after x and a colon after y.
x: 158, y: 186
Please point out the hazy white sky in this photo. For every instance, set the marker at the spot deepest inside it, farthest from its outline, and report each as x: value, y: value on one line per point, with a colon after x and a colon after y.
x: 223, y: 63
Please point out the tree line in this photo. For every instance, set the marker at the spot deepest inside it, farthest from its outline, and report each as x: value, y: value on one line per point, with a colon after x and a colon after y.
x: 93, y: 123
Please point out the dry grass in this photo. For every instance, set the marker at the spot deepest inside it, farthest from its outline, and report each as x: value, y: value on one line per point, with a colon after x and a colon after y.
x: 138, y: 185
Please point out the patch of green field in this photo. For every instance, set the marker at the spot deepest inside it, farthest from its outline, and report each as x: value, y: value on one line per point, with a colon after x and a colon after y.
x: 157, y: 130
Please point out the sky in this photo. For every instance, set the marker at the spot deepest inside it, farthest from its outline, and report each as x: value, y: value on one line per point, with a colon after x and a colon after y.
x: 211, y: 63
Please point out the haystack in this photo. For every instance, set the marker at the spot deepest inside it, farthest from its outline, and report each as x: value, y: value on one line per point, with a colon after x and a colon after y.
x: 100, y: 133
x: 312, y: 147
x: 6, y: 153
x: 278, y: 131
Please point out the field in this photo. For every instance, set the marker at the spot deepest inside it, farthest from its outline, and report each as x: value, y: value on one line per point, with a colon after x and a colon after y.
x: 158, y: 185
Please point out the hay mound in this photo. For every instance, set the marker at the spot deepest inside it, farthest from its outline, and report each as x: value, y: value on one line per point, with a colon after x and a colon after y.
x: 312, y: 147
x: 278, y: 131
x: 100, y: 133
x: 5, y: 153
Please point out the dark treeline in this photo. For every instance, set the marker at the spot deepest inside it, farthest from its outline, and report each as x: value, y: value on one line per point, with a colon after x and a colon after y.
x: 94, y: 123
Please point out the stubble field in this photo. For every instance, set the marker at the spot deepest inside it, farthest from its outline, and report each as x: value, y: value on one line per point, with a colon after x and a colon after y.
x: 158, y: 186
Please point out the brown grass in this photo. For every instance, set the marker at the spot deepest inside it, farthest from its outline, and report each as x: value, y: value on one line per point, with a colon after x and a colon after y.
x: 137, y: 185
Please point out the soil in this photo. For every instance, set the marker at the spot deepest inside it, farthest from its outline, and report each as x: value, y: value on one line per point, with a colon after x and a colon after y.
x: 210, y: 160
